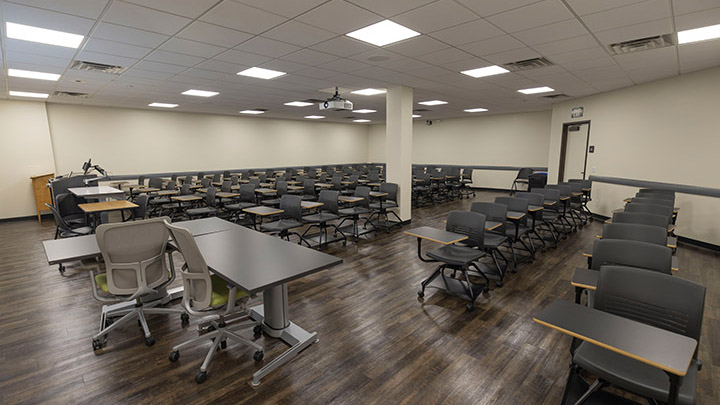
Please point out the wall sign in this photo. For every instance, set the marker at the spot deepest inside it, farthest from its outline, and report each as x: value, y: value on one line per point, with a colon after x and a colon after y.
x: 577, y: 112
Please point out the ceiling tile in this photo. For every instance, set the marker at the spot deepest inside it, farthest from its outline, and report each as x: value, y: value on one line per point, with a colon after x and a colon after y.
x: 591, y: 53
x: 588, y: 63
x: 213, y: 34
x: 699, y: 55
x: 698, y: 19
x: 159, y: 67
x: 174, y: 58
x: 190, y: 9
x: 666, y: 57
x: 585, y: 7
x: 531, y: 16
x: 310, y: 57
x: 298, y: 34
x: 282, y: 65
x: 435, y: 16
x: 486, y: 8
x: 116, y: 48
x: 445, y: 55
x: 512, y: 55
x: 267, y: 47
x: 117, y: 33
x: 691, y: 6
x: 36, y: 48
x: 241, y: 17
x: 343, y: 46
x: 83, y: 8
x: 46, y: 19
x: 417, y: 46
x: 283, y: 7
x: 193, y: 48
x: 151, y: 76
x: 134, y: 16
x: 204, y: 74
x: 633, y: 14
x: 333, y: 16
x: 493, y: 45
x: 20, y: 57
x: 106, y: 59
x: 551, y: 32
x: 220, y: 66
x: 242, y: 58
x: 472, y: 31
x: 345, y: 65
x: 643, y: 30
x: 566, y: 45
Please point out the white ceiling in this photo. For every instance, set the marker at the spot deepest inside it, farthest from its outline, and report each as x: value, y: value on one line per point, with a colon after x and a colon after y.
x: 171, y: 46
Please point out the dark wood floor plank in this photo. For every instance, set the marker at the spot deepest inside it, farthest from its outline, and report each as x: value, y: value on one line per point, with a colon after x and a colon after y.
x: 378, y: 343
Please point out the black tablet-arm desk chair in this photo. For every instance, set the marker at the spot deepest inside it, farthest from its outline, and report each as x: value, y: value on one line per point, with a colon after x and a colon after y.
x: 210, y: 298
x: 290, y: 218
x: 496, y: 237
x: 654, y: 299
x: 135, y: 268
x: 328, y: 212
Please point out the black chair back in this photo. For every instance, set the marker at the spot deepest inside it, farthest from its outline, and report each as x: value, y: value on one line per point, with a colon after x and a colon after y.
x: 644, y: 218
x: 493, y: 212
x: 291, y: 206
x: 631, y: 253
x: 309, y: 187
x: 467, y: 223
x: 329, y: 198
x: 226, y: 186
x: 643, y: 233
x: 247, y: 193
x: 364, y: 193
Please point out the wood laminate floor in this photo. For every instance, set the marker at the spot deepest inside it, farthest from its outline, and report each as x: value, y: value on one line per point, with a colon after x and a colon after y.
x: 378, y: 344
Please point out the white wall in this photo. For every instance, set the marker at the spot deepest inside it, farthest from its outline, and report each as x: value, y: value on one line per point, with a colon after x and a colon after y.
x: 663, y: 131
x: 125, y: 141
x: 493, y: 140
x: 25, y: 150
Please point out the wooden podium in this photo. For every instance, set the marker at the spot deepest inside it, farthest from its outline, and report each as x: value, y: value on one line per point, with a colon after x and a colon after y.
x: 42, y: 192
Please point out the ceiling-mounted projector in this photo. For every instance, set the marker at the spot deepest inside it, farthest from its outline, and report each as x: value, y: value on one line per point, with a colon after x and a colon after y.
x: 336, y: 103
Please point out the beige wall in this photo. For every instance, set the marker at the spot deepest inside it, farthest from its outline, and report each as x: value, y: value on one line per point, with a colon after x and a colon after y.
x: 25, y: 150
x: 493, y: 140
x: 125, y: 141
x: 663, y: 131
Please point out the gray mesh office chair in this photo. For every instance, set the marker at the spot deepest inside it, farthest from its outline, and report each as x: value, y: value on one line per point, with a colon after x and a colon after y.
x: 135, y: 268
x: 290, y: 218
x: 211, y: 298
x: 329, y: 211
x: 461, y: 257
x: 664, y: 302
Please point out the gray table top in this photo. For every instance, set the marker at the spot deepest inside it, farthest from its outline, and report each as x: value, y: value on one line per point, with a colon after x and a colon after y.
x: 95, y: 191
x: 585, y: 278
x: 656, y: 347
x: 436, y: 235
x: 254, y: 261
x: 84, y: 247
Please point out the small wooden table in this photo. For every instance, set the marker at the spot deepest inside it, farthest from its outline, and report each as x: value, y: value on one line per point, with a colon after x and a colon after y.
x: 307, y: 205
x: 260, y: 212
x: 349, y: 199
x: 167, y: 192
x: 93, y: 209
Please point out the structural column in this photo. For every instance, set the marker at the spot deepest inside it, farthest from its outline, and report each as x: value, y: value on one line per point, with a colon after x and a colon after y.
x: 398, y: 145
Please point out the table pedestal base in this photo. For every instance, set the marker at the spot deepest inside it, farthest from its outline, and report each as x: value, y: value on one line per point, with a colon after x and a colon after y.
x: 274, y: 317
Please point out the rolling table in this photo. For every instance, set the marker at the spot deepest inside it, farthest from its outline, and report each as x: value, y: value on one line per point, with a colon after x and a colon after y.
x: 653, y: 346
x: 256, y: 262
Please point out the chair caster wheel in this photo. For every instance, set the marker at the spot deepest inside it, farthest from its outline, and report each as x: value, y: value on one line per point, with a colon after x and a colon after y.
x: 174, y: 356
x: 499, y: 284
x: 258, y: 355
x: 201, y: 377
x: 470, y: 307
x: 421, y: 294
x: 257, y: 330
x: 149, y: 341
x: 223, y: 344
x: 96, y: 345
x: 61, y: 269
x: 184, y: 318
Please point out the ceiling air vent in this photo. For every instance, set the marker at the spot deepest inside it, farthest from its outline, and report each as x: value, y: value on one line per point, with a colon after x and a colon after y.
x: 70, y: 94
x: 97, y: 67
x: 527, y: 64
x: 421, y: 110
x: 642, y: 44
x: 555, y: 96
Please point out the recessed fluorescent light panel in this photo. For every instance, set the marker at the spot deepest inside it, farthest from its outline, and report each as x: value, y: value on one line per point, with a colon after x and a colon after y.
x: 486, y: 71
x: 298, y: 104
x: 42, y: 35
x: 536, y: 90
x: 314, y: 117
x: 699, y: 34
x: 162, y: 105
x: 27, y: 94
x: 417, y: 116
x: 475, y: 110
x: 432, y: 102
x: 383, y: 33
x: 368, y: 92
x: 364, y: 111
x: 253, y: 112
x: 361, y: 121
x: 261, y: 73
x: 200, y: 93
x: 28, y: 74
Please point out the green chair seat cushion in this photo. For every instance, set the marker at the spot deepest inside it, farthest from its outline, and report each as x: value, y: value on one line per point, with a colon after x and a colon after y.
x: 101, y: 281
x: 220, y: 292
